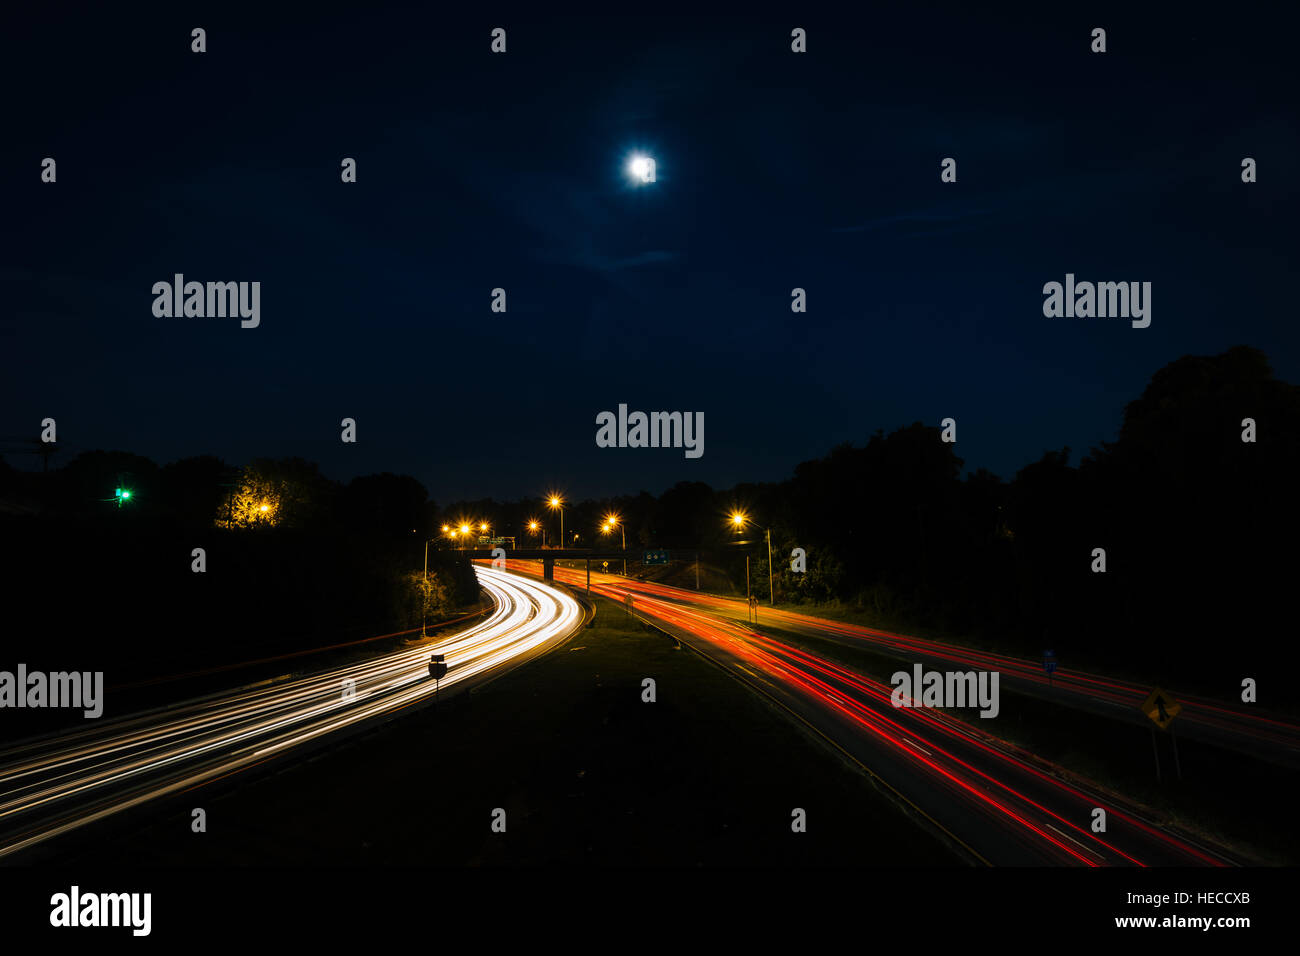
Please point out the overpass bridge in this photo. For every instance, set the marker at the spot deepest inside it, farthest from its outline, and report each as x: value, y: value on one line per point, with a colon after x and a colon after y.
x: 548, y: 556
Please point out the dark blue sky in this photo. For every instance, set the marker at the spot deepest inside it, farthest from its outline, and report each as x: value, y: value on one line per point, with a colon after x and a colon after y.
x: 775, y: 170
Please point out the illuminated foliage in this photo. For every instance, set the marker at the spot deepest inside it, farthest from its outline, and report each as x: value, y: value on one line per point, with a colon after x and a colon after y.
x: 286, y: 492
x: 256, y: 503
x: 425, y: 595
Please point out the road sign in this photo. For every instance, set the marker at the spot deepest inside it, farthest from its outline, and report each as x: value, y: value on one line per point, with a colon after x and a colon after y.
x: 438, y: 666
x: 1161, y: 708
x: 1049, y: 661
x: 655, y: 557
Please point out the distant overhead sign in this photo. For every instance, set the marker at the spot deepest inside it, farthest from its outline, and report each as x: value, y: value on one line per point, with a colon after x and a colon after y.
x: 1161, y: 708
x: 655, y: 557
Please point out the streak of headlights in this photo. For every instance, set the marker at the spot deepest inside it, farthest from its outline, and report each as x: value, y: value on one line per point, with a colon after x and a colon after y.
x: 91, y: 774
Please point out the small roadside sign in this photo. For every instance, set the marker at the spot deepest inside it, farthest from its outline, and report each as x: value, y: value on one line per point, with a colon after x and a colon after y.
x: 1161, y: 708
x: 1049, y: 661
x: 437, y: 670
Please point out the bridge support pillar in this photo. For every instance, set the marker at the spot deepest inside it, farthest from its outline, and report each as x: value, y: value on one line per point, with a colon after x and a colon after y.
x: 548, y: 569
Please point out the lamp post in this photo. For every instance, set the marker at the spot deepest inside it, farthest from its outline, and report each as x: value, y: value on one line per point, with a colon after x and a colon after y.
x: 424, y: 595
x: 556, y: 502
x: 739, y: 519
x: 612, y: 521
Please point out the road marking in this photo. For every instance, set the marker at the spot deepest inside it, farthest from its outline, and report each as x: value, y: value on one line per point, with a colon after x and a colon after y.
x: 1082, y: 846
x: 918, y: 747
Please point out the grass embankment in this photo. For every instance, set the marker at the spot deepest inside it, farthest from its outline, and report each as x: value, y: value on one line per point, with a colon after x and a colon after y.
x: 586, y: 771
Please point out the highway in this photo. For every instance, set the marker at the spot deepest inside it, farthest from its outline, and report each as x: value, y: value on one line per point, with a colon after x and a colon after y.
x: 1238, y: 726
x: 52, y: 786
x: 994, y: 803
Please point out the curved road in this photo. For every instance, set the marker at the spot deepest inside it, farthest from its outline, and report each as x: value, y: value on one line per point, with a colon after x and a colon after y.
x: 54, y: 785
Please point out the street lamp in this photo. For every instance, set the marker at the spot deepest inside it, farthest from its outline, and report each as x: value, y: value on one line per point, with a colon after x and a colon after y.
x: 739, y: 519
x: 533, y: 526
x: 424, y: 597
x: 612, y: 521
x: 556, y: 502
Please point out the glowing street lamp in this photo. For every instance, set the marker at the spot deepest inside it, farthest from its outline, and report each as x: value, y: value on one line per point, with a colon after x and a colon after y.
x: 613, y: 521
x: 739, y: 519
x: 533, y: 526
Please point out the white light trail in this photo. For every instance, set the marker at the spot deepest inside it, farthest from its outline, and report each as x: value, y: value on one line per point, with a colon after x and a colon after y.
x: 52, y: 786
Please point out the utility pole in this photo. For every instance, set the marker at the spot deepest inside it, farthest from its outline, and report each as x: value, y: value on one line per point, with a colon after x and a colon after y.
x: 424, y: 596
x: 771, y: 592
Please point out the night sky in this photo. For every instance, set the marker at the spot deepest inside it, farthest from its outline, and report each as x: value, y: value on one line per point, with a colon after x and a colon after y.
x: 774, y: 170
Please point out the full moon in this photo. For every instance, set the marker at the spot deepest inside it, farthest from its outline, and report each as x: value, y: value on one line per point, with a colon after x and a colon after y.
x: 642, y: 169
